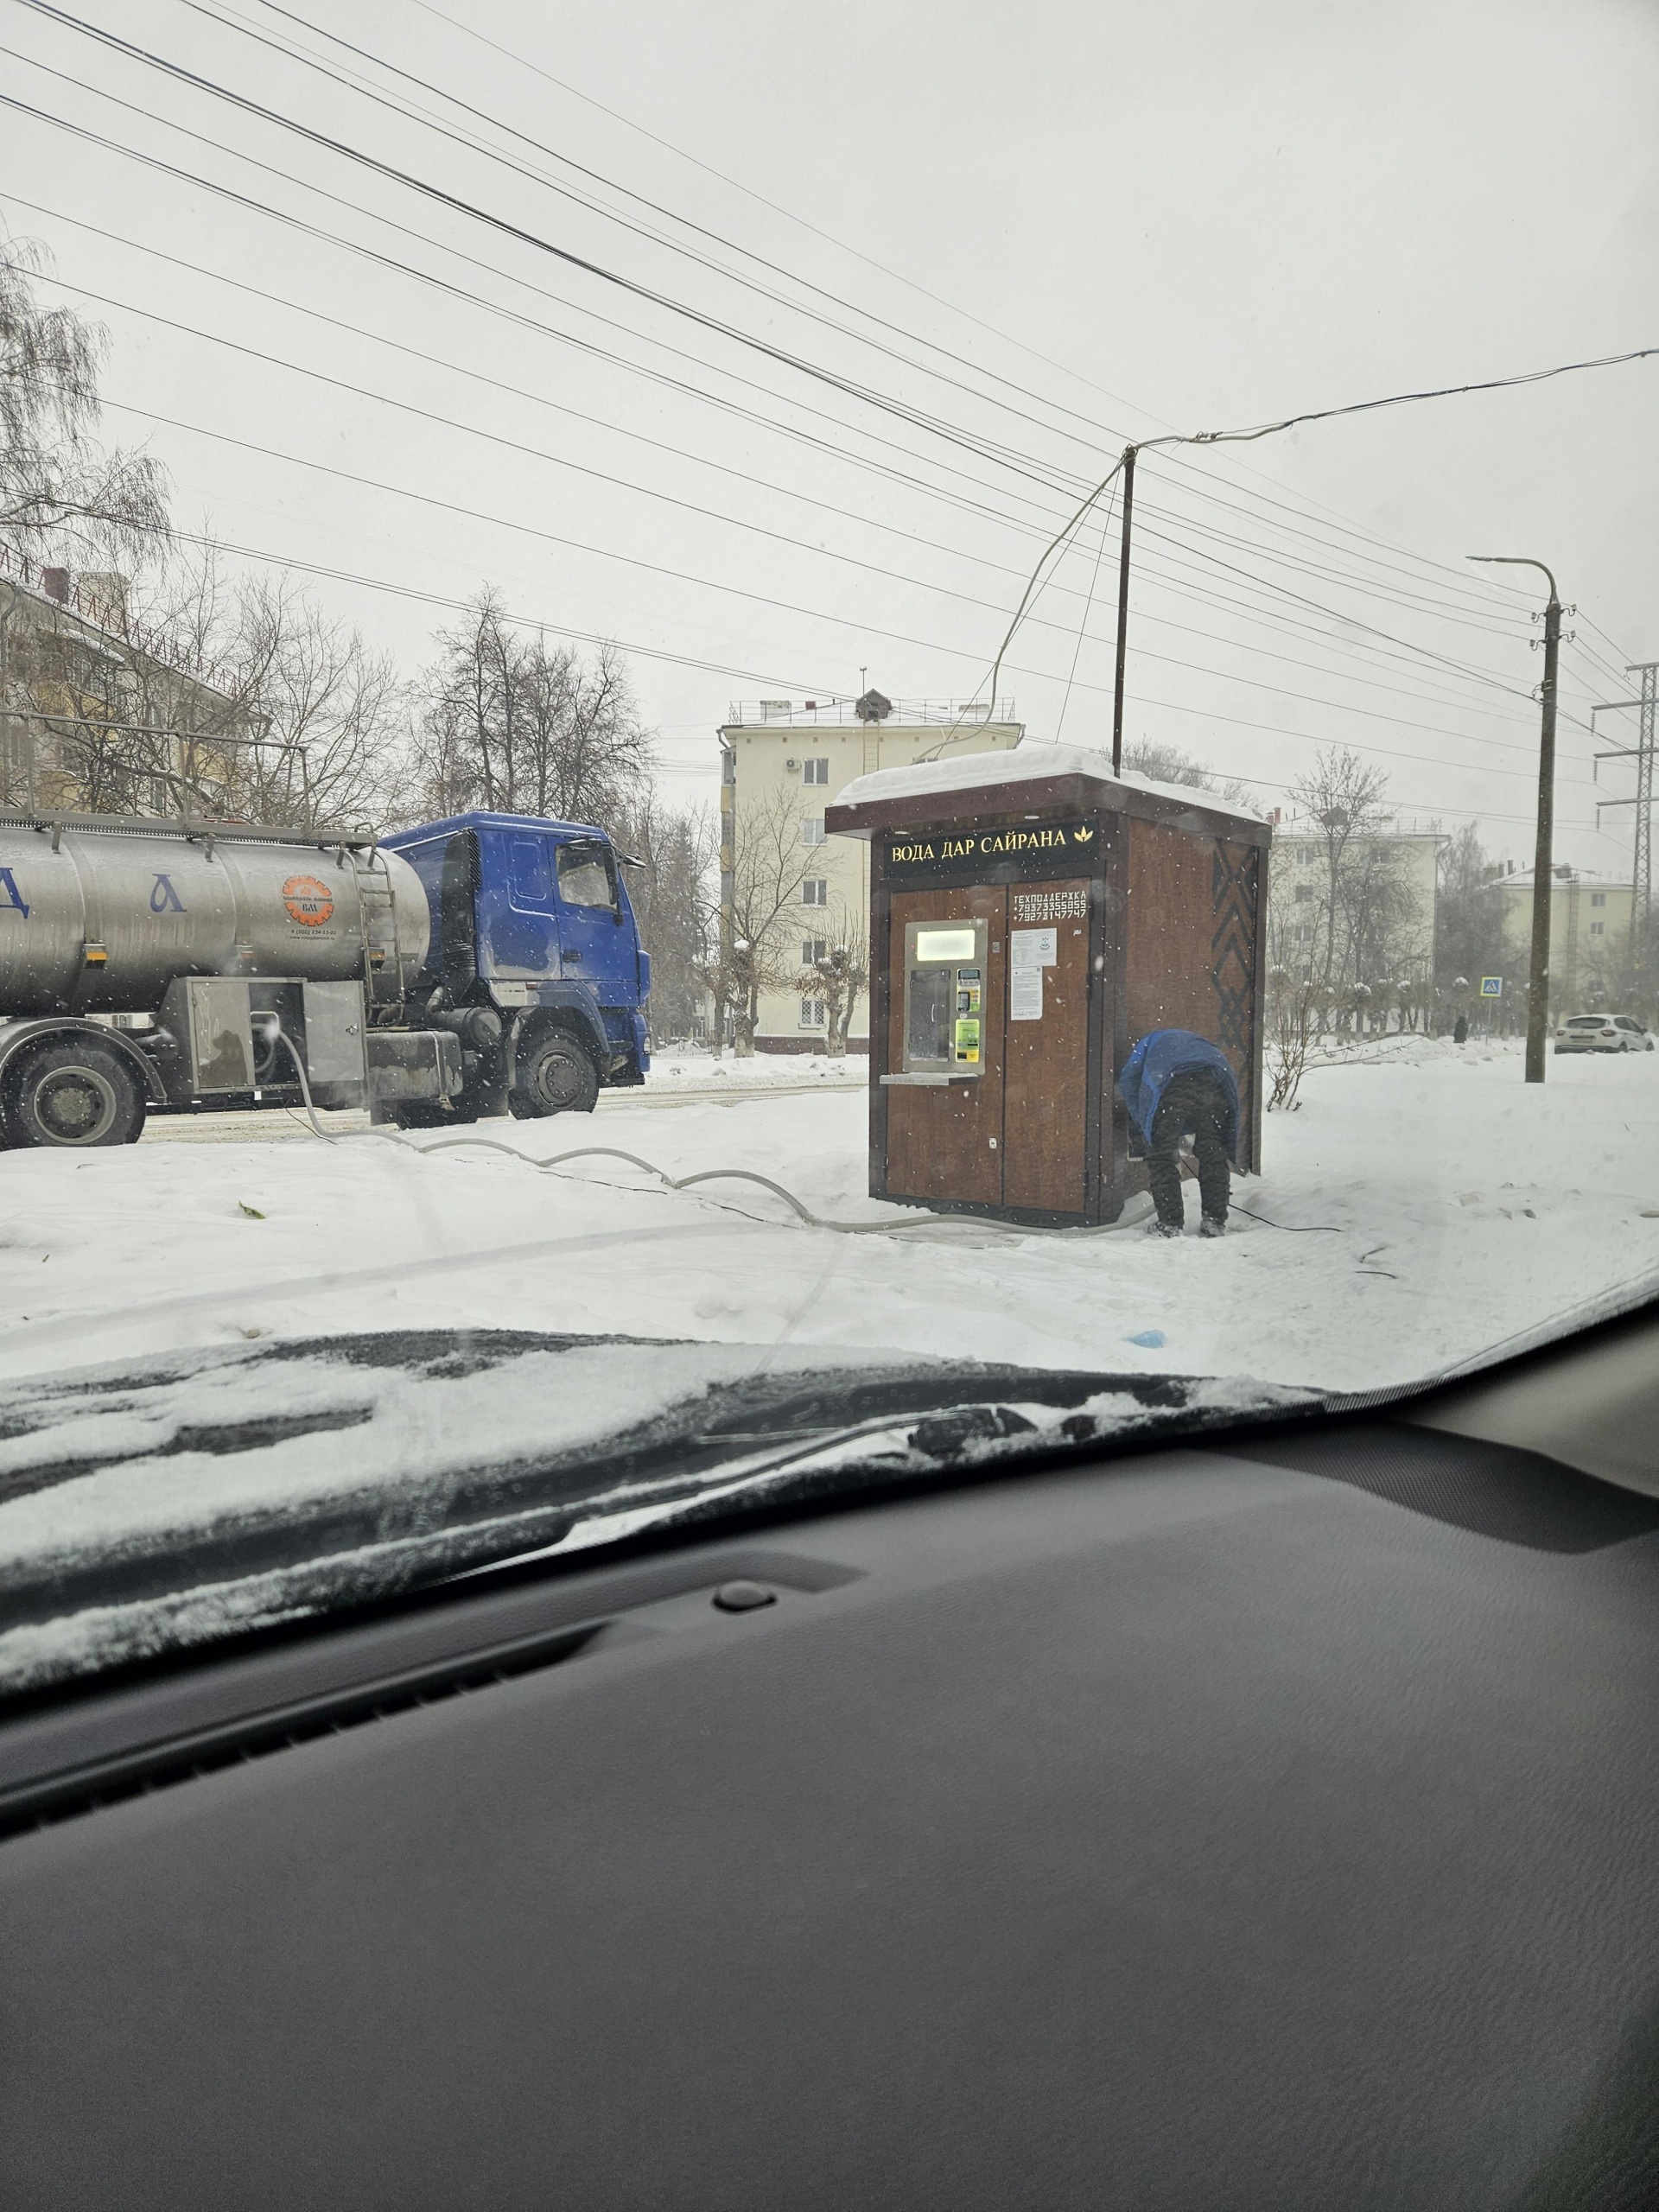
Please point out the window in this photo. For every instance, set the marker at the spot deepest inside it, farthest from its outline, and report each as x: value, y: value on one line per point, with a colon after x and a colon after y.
x: 815, y: 772
x: 1304, y: 891
x: 812, y: 1014
x: 527, y: 880
x: 1598, y: 928
x: 812, y: 828
x: 585, y: 877
x: 814, y: 891
x: 813, y: 949
x: 1597, y: 897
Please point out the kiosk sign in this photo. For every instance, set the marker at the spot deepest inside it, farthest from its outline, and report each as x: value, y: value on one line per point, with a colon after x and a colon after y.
x: 998, y: 852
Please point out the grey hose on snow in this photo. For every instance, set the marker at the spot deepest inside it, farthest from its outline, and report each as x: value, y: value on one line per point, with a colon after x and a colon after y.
x: 747, y: 1175
x: 744, y: 1175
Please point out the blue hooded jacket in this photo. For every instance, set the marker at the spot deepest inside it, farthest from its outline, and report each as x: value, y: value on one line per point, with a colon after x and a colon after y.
x: 1160, y: 1056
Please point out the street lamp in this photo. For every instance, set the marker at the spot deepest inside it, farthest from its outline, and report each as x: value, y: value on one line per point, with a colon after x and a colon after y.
x: 1542, y: 877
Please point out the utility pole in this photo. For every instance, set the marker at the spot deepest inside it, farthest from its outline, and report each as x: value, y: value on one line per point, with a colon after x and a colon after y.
x: 1642, y: 753
x: 1129, y: 453
x: 1543, y: 879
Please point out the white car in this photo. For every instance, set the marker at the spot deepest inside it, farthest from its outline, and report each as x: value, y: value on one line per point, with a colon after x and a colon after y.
x: 1602, y: 1033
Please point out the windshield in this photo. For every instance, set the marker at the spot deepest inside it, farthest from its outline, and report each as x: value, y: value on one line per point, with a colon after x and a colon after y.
x: 682, y: 813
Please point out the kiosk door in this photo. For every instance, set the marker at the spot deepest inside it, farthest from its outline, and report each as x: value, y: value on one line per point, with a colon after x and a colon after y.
x: 944, y: 1093
x: 1045, y: 1090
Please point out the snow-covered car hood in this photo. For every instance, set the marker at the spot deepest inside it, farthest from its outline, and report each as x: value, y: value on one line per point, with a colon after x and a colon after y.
x: 177, y: 1499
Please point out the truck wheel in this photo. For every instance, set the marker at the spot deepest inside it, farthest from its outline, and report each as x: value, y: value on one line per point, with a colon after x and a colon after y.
x: 73, y: 1094
x: 556, y: 1075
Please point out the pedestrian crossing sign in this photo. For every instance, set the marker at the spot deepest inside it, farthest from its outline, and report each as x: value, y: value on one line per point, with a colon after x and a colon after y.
x: 1492, y: 987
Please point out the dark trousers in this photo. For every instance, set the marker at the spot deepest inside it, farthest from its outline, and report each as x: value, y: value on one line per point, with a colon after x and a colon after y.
x: 1192, y: 1105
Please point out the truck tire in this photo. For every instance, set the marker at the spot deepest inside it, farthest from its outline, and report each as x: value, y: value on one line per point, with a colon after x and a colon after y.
x: 72, y: 1094
x: 556, y: 1075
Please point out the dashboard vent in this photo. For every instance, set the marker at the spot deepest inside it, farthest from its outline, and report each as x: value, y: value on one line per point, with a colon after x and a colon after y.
x: 88, y: 1789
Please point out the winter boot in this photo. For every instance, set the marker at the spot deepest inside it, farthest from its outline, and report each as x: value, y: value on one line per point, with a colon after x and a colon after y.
x: 1162, y: 1229
x: 1209, y: 1226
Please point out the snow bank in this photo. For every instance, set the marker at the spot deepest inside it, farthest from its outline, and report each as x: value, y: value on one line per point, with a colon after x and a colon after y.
x: 700, y: 1070
x: 966, y: 772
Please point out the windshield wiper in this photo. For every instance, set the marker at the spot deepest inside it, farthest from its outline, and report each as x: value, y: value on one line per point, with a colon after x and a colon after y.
x: 188, y: 1497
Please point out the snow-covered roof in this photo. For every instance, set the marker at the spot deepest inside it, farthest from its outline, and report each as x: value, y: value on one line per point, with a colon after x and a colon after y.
x: 1564, y: 878
x: 1024, y: 762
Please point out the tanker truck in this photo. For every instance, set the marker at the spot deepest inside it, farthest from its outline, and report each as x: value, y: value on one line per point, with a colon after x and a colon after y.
x: 485, y: 964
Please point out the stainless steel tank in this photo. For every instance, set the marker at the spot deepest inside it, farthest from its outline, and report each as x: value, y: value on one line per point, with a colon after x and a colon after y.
x: 98, y: 917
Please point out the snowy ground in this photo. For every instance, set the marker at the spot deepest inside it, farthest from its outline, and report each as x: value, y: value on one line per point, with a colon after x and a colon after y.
x: 673, y: 1077
x: 1467, y: 1208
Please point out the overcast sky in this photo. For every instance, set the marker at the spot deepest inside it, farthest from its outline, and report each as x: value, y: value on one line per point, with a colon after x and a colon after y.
x: 1136, y: 218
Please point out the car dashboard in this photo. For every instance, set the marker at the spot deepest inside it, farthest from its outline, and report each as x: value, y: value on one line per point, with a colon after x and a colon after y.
x: 1269, y: 1822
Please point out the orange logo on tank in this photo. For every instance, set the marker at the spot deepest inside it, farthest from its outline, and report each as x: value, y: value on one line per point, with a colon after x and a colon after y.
x: 307, y: 901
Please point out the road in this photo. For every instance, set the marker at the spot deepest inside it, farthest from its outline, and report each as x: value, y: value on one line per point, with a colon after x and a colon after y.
x: 281, y: 1123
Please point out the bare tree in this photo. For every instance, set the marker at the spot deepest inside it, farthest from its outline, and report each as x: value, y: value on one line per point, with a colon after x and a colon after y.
x: 1469, y: 932
x: 1293, y: 1011
x: 839, y: 977
x: 468, y: 700
x: 768, y: 863
x: 672, y: 890
x: 1166, y: 764
x: 239, y: 698
x: 330, y: 713
x: 59, y: 487
x: 1345, y: 800
x: 510, y: 724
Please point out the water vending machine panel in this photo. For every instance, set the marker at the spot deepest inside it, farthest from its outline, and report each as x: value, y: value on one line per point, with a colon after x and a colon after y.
x: 944, y: 997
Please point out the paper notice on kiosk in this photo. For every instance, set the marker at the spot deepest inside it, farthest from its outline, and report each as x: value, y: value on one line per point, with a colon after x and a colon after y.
x: 1030, y: 952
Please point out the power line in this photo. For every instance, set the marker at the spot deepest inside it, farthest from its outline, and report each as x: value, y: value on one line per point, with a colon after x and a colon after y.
x: 452, y: 290
x: 826, y: 694
x: 913, y: 416
x: 987, y: 449
x: 493, y: 307
x: 366, y: 90
x: 538, y: 399
x: 1083, y: 622
x: 786, y: 606
x: 1289, y: 422
x: 919, y: 418
x: 522, y: 61
x: 517, y: 446
x: 1332, y: 705
x: 1393, y: 399
x: 1302, y: 565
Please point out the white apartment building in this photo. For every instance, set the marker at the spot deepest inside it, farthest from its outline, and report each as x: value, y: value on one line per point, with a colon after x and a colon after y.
x: 1299, y: 892
x: 1589, y: 930
x: 782, y: 763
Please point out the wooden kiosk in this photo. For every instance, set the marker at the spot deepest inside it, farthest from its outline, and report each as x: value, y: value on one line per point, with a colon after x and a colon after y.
x: 1031, y: 917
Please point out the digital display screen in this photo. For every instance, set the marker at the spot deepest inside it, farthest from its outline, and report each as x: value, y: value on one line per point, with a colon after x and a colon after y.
x: 946, y: 945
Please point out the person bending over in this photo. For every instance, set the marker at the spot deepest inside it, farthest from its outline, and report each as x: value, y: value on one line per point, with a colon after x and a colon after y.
x: 1175, y: 1085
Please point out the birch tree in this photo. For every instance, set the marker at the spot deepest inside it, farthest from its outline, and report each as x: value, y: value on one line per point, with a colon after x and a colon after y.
x: 60, y: 488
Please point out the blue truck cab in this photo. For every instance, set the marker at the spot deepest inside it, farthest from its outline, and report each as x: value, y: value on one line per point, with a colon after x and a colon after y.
x: 535, y: 962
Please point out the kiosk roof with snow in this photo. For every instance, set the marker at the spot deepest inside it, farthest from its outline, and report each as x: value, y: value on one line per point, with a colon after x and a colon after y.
x: 1031, y: 915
